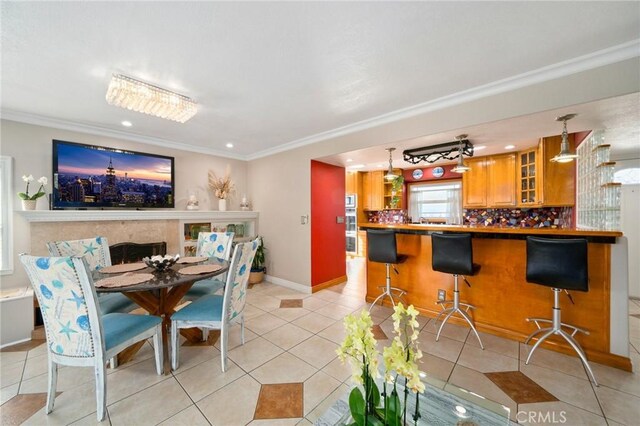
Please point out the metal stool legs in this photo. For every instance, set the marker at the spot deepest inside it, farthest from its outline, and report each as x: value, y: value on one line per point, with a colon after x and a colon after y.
x: 388, y: 290
x: 556, y: 328
x: 455, y: 308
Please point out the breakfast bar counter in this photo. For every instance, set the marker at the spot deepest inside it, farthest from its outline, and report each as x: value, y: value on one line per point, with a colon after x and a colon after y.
x: 501, y: 294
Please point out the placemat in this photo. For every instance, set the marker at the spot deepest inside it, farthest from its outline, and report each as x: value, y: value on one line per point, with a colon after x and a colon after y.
x: 199, y: 269
x: 192, y: 259
x: 123, y: 280
x: 124, y: 267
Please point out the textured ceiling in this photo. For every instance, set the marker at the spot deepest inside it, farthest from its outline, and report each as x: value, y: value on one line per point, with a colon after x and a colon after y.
x: 266, y: 74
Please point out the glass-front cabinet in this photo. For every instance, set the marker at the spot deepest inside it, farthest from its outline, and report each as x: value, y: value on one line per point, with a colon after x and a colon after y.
x: 244, y: 228
x: 528, y: 194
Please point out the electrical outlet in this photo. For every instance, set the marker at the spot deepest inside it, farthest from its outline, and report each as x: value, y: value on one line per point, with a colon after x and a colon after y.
x: 442, y: 295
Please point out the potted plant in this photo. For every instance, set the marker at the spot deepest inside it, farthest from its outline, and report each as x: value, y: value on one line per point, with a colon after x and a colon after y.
x: 29, y: 201
x: 258, y: 268
x: 222, y: 187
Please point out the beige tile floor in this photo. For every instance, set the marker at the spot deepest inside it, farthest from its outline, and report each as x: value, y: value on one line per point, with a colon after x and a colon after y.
x: 297, y: 345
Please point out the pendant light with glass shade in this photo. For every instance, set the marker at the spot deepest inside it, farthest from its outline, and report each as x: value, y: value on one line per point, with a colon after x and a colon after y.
x: 390, y: 175
x: 565, y: 155
x: 461, y: 167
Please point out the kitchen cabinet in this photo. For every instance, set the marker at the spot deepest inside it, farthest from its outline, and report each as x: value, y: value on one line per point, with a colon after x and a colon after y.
x: 528, y: 178
x: 558, y: 186
x: 351, y: 183
x: 474, y: 184
x: 389, y: 195
x: 372, y: 190
x: 501, y: 182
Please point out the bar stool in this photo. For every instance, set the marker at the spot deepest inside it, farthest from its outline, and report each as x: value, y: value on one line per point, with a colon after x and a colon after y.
x: 561, y: 265
x: 382, y: 248
x: 453, y: 254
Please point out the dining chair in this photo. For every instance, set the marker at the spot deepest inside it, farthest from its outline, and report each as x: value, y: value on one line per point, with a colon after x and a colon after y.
x: 211, y: 244
x: 77, y: 334
x: 96, y: 253
x: 218, y: 312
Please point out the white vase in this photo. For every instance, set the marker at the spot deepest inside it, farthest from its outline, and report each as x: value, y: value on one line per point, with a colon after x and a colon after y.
x: 29, y: 204
x: 222, y: 205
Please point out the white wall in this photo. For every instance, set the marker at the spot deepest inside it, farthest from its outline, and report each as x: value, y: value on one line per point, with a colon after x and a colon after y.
x: 280, y: 184
x: 30, y: 147
x: 630, y: 226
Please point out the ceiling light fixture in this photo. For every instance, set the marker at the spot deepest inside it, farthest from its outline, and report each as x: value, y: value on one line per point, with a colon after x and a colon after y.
x: 509, y: 147
x: 565, y: 155
x: 349, y: 160
x: 390, y: 175
x: 356, y: 166
x: 461, y: 167
x: 229, y: 145
x: 479, y: 147
x: 135, y: 95
x: 127, y: 123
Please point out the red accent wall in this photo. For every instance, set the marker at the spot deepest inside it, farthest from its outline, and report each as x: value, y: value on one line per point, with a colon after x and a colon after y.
x: 328, y: 251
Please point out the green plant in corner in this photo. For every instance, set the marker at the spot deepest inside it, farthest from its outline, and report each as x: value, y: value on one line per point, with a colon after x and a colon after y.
x: 258, y: 264
x: 40, y: 193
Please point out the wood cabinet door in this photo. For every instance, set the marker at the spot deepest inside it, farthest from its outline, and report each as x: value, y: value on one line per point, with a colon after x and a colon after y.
x: 350, y: 186
x: 501, y: 182
x: 528, y: 178
x: 558, y: 179
x: 365, y: 195
x: 377, y: 189
x: 474, y: 184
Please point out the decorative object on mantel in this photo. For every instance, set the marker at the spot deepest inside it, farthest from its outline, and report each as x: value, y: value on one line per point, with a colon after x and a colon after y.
x: 222, y: 187
x: 244, y: 204
x: 400, y: 361
x: 565, y: 155
x: 161, y: 263
x: 443, y: 151
x: 29, y: 201
x: 193, y: 203
x: 136, y: 95
x: 258, y: 268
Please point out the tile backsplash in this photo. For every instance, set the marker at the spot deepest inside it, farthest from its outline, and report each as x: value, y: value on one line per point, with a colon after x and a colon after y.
x: 552, y: 217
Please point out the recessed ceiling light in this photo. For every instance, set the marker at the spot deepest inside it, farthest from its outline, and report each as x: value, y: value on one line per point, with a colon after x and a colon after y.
x: 127, y: 123
x: 356, y: 166
x: 380, y: 165
x: 479, y: 147
x: 229, y: 145
x: 349, y: 160
x: 509, y: 147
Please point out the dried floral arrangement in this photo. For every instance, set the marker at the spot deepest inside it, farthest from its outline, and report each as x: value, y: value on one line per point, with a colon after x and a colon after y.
x: 222, y: 186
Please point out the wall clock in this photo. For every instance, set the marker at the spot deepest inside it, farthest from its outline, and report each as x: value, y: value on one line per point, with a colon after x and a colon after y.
x: 417, y: 174
x: 437, y: 172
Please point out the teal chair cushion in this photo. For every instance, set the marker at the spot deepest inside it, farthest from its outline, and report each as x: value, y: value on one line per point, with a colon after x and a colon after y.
x: 115, y: 302
x: 207, y: 308
x: 204, y: 288
x: 118, y: 328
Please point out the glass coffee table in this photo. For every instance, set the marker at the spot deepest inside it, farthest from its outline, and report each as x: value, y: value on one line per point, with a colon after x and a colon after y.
x: 441, y: 404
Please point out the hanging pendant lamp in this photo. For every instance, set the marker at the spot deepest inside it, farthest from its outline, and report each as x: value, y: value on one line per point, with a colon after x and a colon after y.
x: 565, y: 155
x: 390, y: 175
x: 461, y: 167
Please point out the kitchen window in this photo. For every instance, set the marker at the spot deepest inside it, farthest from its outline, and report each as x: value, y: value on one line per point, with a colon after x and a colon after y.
x: 6, y: 259
x: 436, y: 202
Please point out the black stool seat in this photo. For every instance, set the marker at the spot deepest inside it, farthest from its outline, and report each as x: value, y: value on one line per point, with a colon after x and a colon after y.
x: 558, y: 263
x: 453, y: 254
x: 382, y: 247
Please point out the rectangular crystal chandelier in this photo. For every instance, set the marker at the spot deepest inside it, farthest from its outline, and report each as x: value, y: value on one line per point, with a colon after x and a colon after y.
x: 135, y: 95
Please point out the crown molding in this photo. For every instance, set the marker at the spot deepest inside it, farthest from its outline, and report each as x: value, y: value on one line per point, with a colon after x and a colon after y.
x: 56, y: 123
x: 587, y: 62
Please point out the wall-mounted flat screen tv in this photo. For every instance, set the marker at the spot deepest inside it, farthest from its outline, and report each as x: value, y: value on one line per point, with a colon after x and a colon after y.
x: 88, y: 176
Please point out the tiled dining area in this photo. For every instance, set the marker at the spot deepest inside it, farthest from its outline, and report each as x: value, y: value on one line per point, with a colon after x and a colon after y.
x: 288, y: 372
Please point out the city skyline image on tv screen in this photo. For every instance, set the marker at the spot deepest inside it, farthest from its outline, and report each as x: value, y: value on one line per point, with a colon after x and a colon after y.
x: 93, y: 176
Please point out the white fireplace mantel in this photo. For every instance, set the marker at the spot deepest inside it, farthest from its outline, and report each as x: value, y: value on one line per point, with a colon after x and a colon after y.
x: 106, y: 215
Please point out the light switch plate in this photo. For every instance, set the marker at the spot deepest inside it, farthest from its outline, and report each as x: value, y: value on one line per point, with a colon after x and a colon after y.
x: 339, y: 219
x: 442, y: 295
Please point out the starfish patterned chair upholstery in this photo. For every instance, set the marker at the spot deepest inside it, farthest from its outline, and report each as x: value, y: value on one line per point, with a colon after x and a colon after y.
x: 77, y: 334
x: 218, y: 312
x: 96, y: 253
x: 211, y: 244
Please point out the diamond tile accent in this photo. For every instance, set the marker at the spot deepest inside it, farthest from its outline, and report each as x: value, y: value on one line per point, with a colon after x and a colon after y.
x: 21, y: 407
x: 635, y: 315
x: 26, y: 346
x: 378, y: 333
x: 280, y: 401
x: 291, y: 303
x: 520, y: 388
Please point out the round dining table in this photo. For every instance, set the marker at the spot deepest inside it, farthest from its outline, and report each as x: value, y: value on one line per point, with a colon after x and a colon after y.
x: 159, y: 296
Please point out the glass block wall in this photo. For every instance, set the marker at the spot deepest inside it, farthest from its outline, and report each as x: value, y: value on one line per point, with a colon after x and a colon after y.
x: 598, y: 203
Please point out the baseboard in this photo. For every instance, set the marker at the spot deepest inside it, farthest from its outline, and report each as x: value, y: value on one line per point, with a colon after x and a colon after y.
x: 330, y: 283
x: 15, y: 343
x: 288, y: 284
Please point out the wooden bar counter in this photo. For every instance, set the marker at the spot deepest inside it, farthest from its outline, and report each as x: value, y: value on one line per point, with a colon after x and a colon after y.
x: 500, y: 292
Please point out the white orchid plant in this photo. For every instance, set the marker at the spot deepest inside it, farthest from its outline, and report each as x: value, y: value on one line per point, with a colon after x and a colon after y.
x: 40, y: 193
x: 400, y: 360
